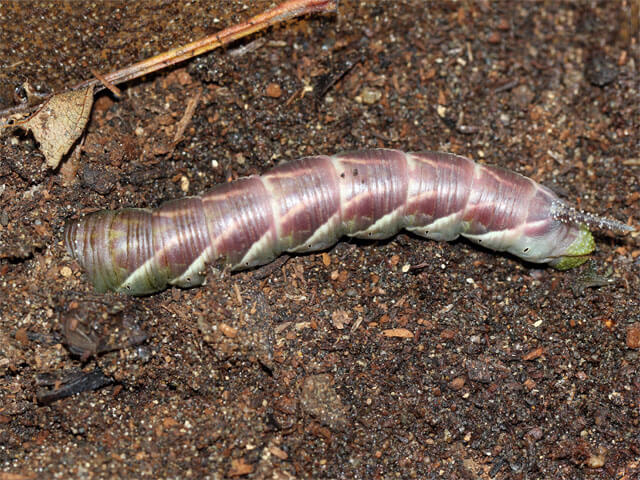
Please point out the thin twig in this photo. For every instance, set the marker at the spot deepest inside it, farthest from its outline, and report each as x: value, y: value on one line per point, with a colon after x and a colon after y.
x: 109, y: 86
x: 281, y: 13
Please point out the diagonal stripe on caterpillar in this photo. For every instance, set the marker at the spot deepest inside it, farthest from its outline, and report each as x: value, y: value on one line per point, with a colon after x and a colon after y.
x: 308, y: 204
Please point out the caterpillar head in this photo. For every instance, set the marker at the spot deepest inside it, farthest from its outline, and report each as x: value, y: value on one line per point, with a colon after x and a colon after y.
x: 574, y: 252
x: 558, y: 235
x: 561, y: 245
x: 577, y: 252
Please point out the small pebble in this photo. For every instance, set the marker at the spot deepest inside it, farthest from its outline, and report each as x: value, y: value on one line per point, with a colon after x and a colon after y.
x: 274, y: 90
x: 227, y: 330
x: 457, y: 383
x: 370, y: 96
x: 521, y: 96
x: 494, y: 38
x: 339, y: 318
x: 184, y: 184
x: 600, y: 70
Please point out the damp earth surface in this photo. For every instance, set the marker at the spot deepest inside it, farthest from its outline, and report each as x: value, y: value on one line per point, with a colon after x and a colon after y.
x: 398, y: 359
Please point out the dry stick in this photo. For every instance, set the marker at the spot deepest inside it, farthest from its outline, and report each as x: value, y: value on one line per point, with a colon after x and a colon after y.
x: 285, y: 11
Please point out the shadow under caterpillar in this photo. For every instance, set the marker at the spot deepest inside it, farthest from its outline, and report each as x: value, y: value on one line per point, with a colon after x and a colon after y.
x: 308, y: 204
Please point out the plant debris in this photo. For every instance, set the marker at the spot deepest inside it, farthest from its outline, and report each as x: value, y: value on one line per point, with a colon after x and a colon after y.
x: 61, y: 119
x: 59, y: 123
x: 70, y: 384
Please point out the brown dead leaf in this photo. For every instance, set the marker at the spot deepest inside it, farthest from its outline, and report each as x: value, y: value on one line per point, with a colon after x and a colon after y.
x: 633, y: 335
x: 59, y: 122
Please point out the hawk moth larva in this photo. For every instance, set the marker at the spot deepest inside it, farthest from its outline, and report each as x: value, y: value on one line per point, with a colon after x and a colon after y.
x: 308, y: 204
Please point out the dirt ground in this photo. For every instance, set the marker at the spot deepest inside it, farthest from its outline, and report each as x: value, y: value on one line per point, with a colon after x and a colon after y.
x: 345, y: 363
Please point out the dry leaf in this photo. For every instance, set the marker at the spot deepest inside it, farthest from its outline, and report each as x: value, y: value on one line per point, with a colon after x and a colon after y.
x: 59, y: 123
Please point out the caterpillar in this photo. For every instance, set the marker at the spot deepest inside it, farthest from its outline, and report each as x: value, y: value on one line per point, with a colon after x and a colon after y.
x: 308, y: 204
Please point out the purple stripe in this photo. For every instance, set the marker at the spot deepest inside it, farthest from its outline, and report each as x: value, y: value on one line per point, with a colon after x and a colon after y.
x: 306, y: 195
x: 374, y: 183
x: 180, y: 235
x: 497, y: 201
x: 238, y: 215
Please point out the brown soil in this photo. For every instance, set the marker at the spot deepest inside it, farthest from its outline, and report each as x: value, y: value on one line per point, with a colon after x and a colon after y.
x: 513, y: 371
